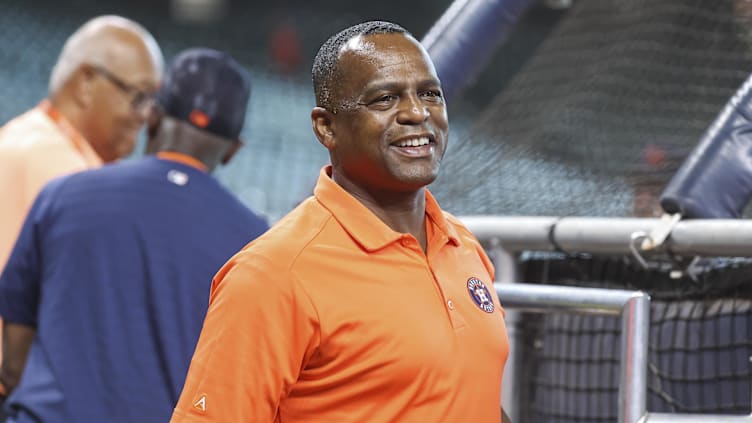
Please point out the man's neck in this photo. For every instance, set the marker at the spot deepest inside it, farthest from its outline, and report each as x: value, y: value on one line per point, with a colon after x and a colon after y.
x: 403, y: 212
x: 182, y: 138
x: 71, y: 119
x: 70, y: 112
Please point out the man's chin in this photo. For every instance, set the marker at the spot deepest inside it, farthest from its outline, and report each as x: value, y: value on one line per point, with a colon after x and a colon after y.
x: 417, y: 180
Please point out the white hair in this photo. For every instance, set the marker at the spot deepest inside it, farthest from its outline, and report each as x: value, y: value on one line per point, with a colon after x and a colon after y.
x: 81, y: 48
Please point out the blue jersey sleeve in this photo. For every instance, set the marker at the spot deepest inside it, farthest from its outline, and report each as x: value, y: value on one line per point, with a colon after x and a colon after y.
x: 20, y: 280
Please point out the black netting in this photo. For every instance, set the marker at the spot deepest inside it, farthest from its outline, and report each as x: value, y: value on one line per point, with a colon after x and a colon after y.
x: 604, y: 112
x: 699, y: 349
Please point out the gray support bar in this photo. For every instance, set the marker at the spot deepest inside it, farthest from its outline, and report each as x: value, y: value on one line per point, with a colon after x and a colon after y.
x: 708, y: 237
x: 693, y: 418
x: 505, y: 262
x: 506, y: 272
x: 545, y: 298
x: 635, y: 331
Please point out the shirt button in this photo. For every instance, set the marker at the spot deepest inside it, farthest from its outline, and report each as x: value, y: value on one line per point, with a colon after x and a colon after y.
x: 406, y: 242
x: 450, y: 304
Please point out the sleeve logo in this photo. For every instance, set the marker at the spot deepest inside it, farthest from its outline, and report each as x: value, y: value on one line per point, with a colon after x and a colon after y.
x: 480, y: 295
x: 200, y: 403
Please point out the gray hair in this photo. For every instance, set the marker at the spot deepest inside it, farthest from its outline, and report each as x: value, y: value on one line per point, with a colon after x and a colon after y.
x: 85, y: 46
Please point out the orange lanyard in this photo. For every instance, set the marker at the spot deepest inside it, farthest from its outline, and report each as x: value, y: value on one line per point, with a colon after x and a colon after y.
x: 78, y: 141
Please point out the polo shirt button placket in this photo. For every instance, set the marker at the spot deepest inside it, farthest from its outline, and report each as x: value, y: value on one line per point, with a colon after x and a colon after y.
x: 450, y: 304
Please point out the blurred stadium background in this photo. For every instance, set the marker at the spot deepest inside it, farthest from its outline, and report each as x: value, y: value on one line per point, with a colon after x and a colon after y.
x: 587, y: 109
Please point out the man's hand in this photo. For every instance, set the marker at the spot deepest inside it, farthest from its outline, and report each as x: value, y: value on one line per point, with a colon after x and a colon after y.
x: 16, y: 344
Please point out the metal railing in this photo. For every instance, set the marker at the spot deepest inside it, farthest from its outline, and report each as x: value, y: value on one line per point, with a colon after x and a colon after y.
x: 634, y: 308
x: 507, y: 236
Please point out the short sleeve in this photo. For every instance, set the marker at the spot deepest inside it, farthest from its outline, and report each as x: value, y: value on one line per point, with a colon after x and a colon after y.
x: 258, y: 334
x: 20, y: 280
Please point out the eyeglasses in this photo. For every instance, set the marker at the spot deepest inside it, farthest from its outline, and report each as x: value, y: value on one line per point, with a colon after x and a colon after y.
x: 140, y: 99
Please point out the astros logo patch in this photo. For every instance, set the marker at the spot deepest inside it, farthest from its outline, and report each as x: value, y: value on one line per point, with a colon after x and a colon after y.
x: 480, y: 294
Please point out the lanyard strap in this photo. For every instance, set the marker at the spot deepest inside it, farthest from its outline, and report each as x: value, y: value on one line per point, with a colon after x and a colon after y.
x: 78, y: 141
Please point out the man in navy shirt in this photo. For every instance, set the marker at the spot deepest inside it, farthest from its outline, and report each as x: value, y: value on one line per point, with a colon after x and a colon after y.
x: 105, y: 292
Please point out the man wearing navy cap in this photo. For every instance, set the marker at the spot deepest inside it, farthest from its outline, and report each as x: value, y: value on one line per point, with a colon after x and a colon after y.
x: 105, y: 292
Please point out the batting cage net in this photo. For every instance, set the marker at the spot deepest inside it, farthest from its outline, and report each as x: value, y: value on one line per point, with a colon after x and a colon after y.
x: 604, y: 112
x: 699, y: 349
x: 595, y: 124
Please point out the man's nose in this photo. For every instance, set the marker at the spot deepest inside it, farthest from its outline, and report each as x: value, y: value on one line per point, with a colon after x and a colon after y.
x: 413, y: 111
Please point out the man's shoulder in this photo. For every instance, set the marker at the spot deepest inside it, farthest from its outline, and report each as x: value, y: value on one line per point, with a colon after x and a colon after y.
x: 120, y: 172
x: 291, y: 236
x: 95, y: 189
x: 102, y: 176
x: 212, y: 191
x: 31, y: 130
x: 232, y: 209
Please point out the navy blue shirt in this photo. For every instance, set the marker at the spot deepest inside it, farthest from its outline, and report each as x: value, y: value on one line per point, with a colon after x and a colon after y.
x: 113, y: 268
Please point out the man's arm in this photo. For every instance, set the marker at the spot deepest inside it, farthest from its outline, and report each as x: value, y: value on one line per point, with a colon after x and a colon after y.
x: 255, y: 338
x: 20, y: 283
x: 17, y: 340
x: 15, y: 206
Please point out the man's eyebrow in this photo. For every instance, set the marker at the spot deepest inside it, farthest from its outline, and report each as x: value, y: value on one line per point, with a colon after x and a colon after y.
x: 382, y: 86
x: 429, y: 82
x: 398, y: 86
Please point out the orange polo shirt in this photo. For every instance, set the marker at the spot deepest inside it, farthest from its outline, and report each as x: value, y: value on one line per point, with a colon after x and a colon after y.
x: 35, y: 147
x: 331, y: 316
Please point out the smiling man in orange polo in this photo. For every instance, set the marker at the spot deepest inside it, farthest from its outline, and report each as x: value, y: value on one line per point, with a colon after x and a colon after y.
x: 367, y: 302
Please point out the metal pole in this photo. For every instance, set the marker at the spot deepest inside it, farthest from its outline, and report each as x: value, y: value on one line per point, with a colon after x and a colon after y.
x: 507, y: 273
x: 547, y: 298
x: 693, y: 418
x: 635, y: 330
x: 711, y: 237
x: 505, y: 262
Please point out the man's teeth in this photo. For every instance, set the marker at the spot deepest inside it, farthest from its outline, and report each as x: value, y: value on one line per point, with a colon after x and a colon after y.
x: 414, y: 142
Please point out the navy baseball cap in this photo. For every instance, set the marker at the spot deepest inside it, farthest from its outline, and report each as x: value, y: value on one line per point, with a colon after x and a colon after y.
x: 208, y: 89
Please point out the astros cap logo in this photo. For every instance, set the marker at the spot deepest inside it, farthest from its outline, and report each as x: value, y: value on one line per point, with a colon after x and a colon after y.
x: 199, y: 118
x: 480, y: 294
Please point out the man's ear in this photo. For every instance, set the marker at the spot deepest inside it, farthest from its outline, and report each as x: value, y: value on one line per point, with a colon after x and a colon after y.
x: 83, y: 85
x: 231, y: 151
x: 153, y: 120
x: 153, y: 123
x: 322, y: 121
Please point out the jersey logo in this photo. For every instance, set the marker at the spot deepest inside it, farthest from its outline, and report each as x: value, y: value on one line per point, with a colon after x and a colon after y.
x: 200, y: 405
x: 177, y: 177
x: 480, y: 294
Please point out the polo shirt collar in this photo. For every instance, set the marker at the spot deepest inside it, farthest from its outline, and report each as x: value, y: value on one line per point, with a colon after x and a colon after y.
x: 370, y: 232
x: 182, y: 158
x: 440, y: 222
